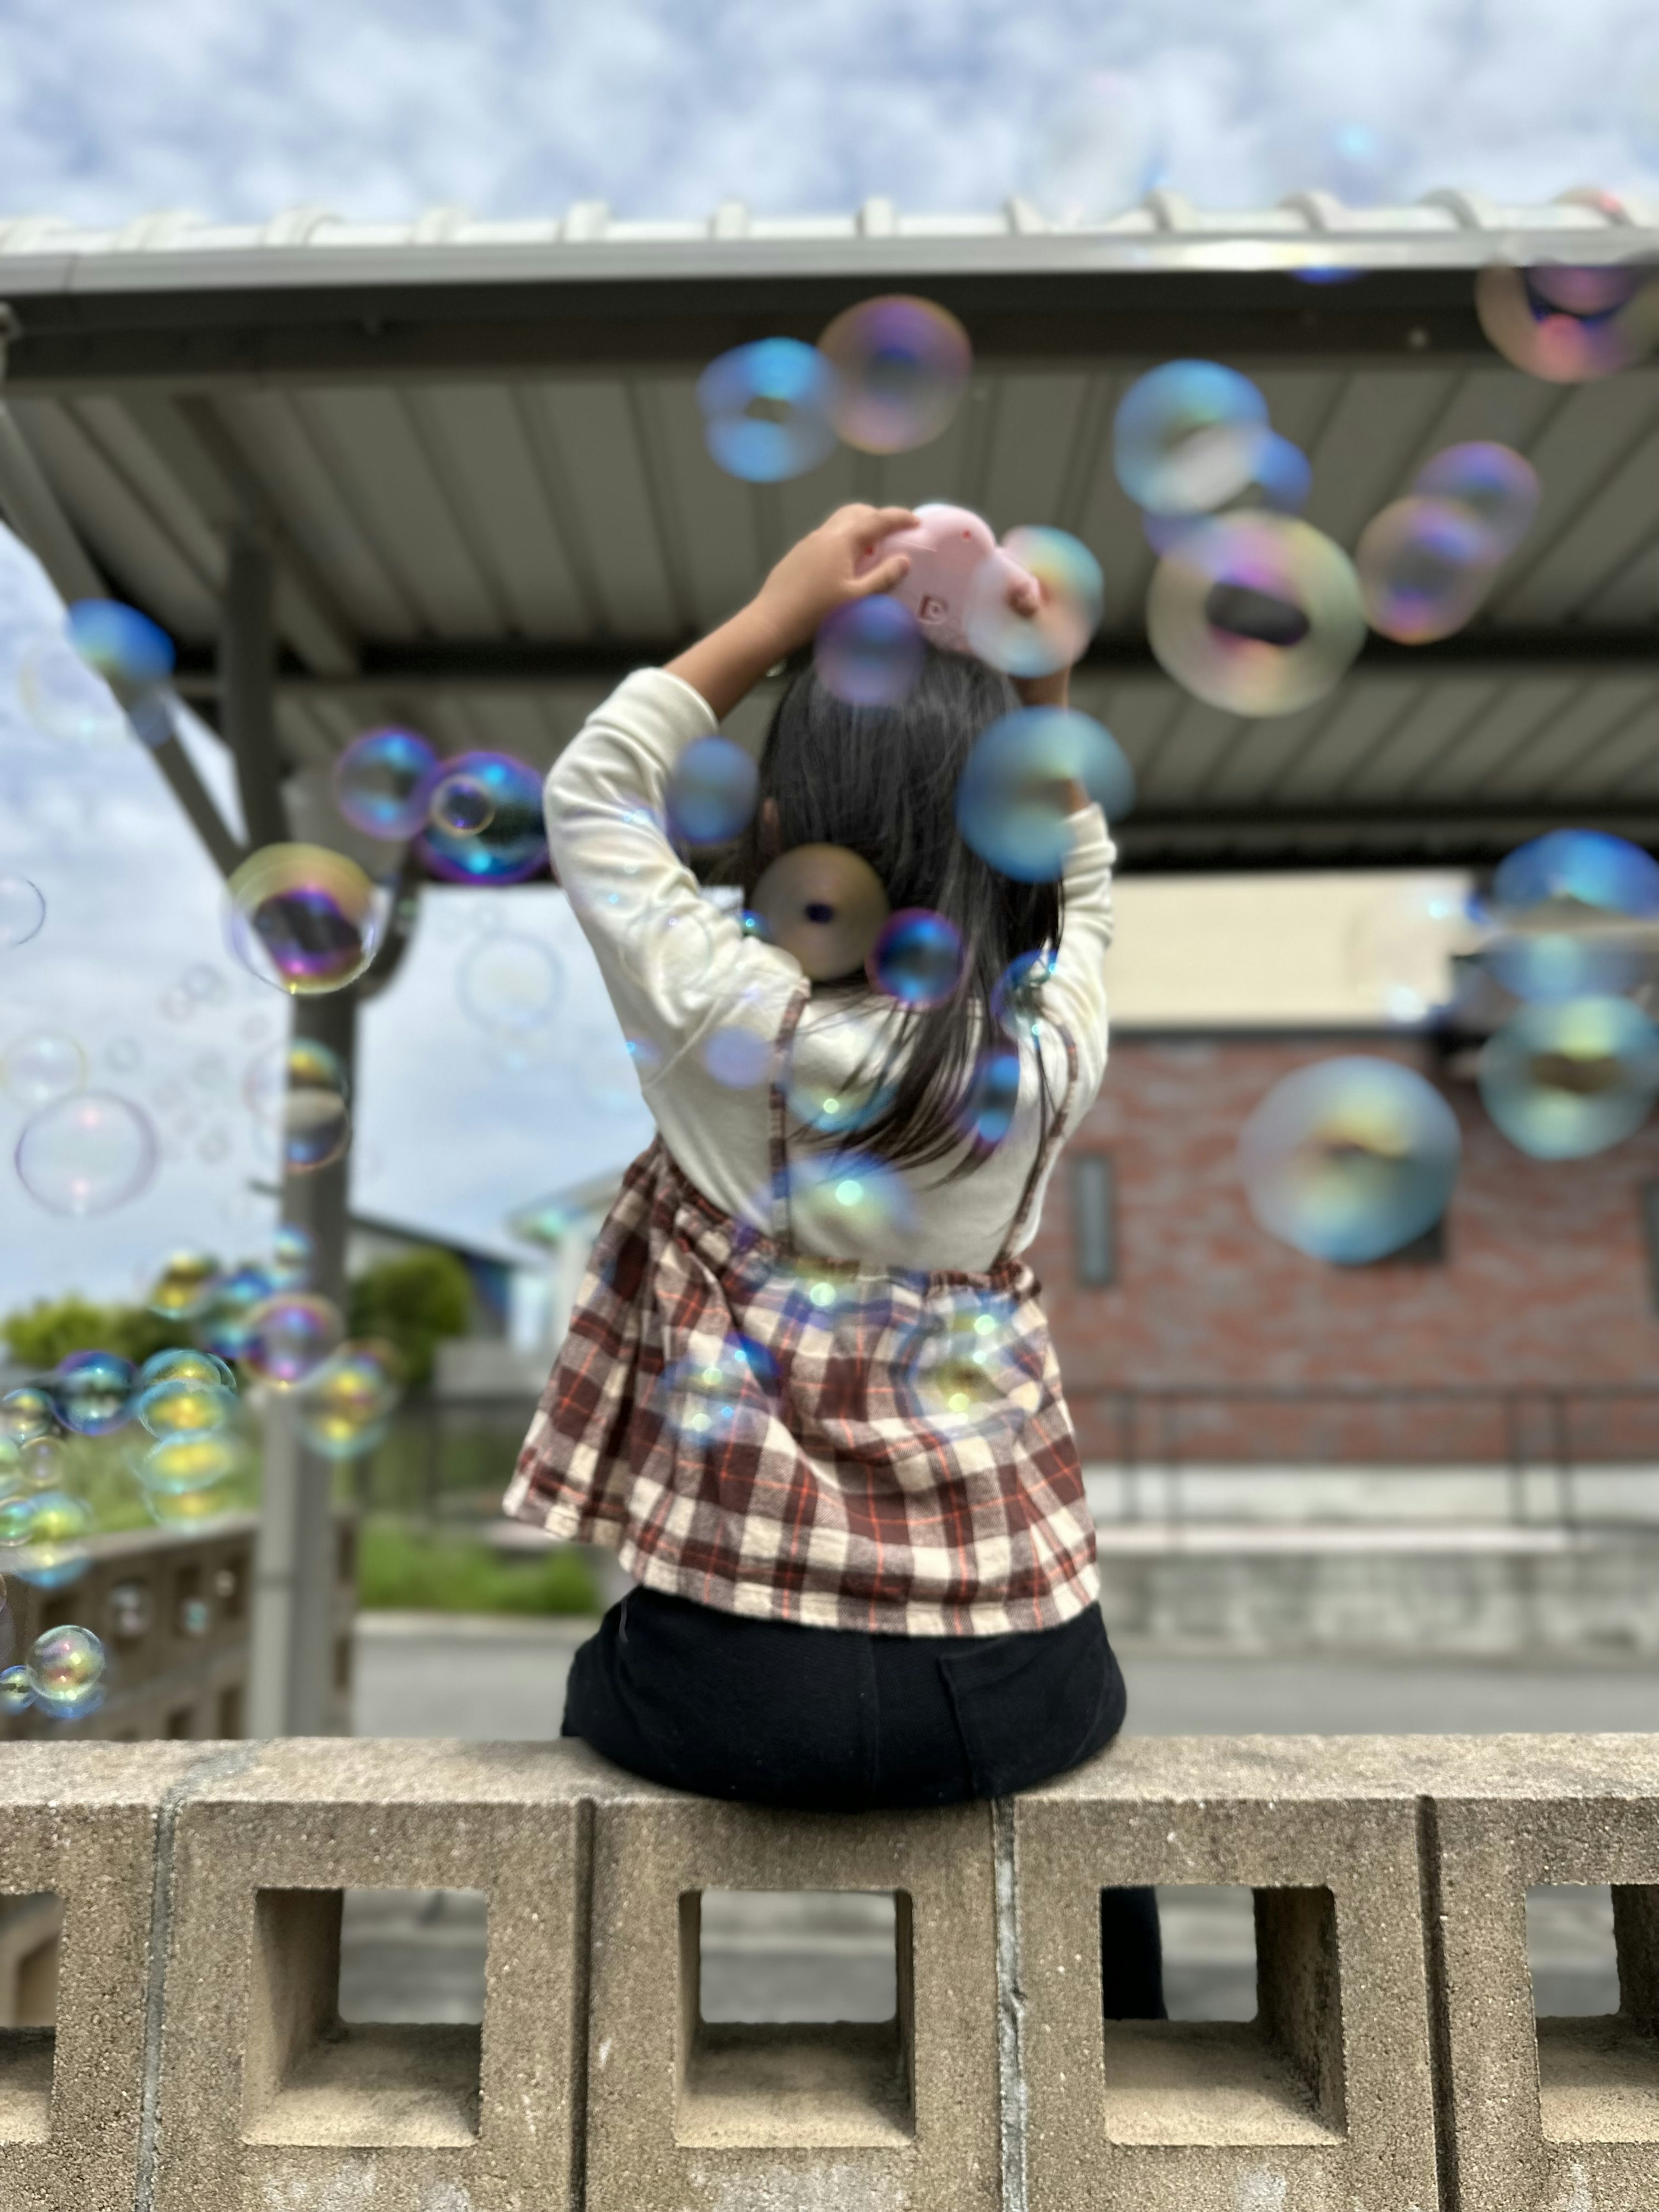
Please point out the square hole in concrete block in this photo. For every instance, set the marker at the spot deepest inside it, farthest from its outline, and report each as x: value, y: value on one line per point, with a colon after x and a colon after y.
x: 796, y: 2019
x: 31, y: 1930
x: 364, y: 2017
x: 1252, y: 2052
x: 1594, y: 1957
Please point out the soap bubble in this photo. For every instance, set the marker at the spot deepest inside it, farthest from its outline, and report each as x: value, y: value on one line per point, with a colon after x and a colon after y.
x: 1570, y: 326
x: 293, y: 1257
x: 38, y: 1069
x: 711, y: 792
x: 1016, y: 995
x: 986, y: 1112
x: 290, y: 1335
x: 186, y: 1461
x: 766, y: 410
x: 837, y: 1072
x: 1282, y: 480
x: 825, y: 906
x: 1073, y: 594
x: 461, y: 805
x: 1350, y: 1159
x: 16, y: 1520
x: 56, y: 1552
x: 1402, y: 947
x: 711, y: 1397
x: 302, y: 1092
x: 1492, y: 484
x: 1564, y: 1081
x: 204, y: 984
x: 344, y: 1407
x: 902, y: 365
x: 1187, y: 437
x: 16, y: 1694
x: 683, y: 941
x: 511, y: 847
x: 1013, y: 801
x: 1237, y: 576
x: 846, y: 1200
x: 22, y: 912
x: 869, y: 653
x: 738, y: 1056
x: 1099, y: 151
x: 959, y: 1368
x: 66, y: 1672
x: 1556, y: 965
x: 41, y: 1464
x: 179, y: 1406
x: 185, y: 1362
x: 383, y: 782
x: 117, y: 642
x: 92, y: 1392
x: 1424, y: 568
x: 87, y: 1154
x: 26, y: 1413
x: 1575, y: 873
x: 303, y: 918
x: 917, y: 959
x: 183, y: 1285
x: 511, y: 983
x: 64, y: 698
x: 226, y: 1328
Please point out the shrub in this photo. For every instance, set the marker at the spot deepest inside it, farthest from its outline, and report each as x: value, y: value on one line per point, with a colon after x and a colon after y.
x: 413, y: 1302
x: 404, y: 1569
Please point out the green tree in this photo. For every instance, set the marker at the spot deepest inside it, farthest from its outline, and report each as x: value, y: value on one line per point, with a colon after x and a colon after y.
x: 413, y: 1302
x: 48, y: 1331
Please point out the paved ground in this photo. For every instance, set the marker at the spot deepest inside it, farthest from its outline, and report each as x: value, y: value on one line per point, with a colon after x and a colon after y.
x: 421, y: 1957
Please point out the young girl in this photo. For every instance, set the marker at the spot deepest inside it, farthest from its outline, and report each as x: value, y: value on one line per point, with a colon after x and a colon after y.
x: 808, y: 1394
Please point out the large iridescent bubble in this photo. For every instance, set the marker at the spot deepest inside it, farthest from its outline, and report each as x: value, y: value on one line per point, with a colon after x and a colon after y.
x: 1492, y: 484
x: 766, y: 410
x: 66, y: 1672
x: 1573, y: 913
x: 712, y: 792
x: 1260, y: 614
x: 183, y: 1286
x: 511, y: 847
x: 1073, y: 594
x: 344, y: 1405
x: 1350, y: 1159
x: 1014, y: 801
x: 303, y: 918
x: 1188, y: 436
x: 126, y: 648
x: 40, y: 1067
x: 302, y: 1093
x: 917, y: 959
x: 1424, y: 566
x: 86, y: 1154
x: 901, y: 367
x: 1570, y: 325
x: 825, y: 906
x: 289, y: 1335
x: 383, y: 782
x: 1564, y: 1081
x: 870, y: 651
x: 92, y: 1392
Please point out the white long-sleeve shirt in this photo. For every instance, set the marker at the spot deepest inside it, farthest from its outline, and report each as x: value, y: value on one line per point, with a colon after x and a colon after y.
x: 695, y: 994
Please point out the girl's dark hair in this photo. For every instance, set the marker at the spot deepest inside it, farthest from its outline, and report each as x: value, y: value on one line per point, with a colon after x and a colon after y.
x: 882, y: 782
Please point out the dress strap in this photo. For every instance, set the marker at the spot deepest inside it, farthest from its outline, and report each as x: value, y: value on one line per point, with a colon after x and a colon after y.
x: 1049, y: 1146
x: 778, y: 1109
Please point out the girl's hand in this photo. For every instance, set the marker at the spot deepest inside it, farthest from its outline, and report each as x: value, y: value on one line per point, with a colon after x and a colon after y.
x: 822, y: 573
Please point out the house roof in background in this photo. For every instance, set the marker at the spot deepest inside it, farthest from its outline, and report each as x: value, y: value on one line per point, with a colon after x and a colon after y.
x: 475, y: 447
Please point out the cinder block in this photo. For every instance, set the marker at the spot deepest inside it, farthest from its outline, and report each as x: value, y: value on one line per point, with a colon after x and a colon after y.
x: 1325, y: 2102
x: 689, y: 2117
x: 1556, y: 2116
x: 79, y: 1822
x: 268, y: 2100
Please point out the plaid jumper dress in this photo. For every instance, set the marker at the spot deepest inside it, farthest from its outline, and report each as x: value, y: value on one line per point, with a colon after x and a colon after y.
x: 812, y: 1441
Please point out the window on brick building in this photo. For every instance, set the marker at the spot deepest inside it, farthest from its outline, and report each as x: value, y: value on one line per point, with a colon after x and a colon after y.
x: 1094, y: 1215
x: 1650, y: 1196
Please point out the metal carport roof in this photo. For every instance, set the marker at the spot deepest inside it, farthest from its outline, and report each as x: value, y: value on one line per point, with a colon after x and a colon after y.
x: 476, y: 450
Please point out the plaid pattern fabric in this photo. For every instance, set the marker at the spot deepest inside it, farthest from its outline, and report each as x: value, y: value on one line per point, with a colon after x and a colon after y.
x: 810, y: 1441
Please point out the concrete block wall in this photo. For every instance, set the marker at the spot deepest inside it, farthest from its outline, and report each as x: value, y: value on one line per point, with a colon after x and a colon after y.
x: 199, y: 2058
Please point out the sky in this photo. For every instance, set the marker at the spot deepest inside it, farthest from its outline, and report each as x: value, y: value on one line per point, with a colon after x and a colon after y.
x: 112, y: 108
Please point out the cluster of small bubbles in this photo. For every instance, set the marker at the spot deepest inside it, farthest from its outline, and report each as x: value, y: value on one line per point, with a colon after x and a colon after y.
x: 1098, y: 151
x: 870, y: 651
x: 825, y: 906
x: 1014, y: 797
x: 846, y: 1200
x: 290, y: 1335
x: 86, y: 1154
x: 303, y: 1093
x: 22, y: 912
x: 1188, y: 436
x: 1257, y: 613
x: 987, y: 1108
x: 383, y: 782
x: 917, y: 958
x: 954, y: 1367
x: 66, y: 699
x: 42, y: 1067
x: 510, y: 846
x: 511, y: 984
x: 344, y: 1405
x: 1565, y: 1080
x: 92, y: 1392
x: 901, y: 366
x: 303, y: 919
x: 461, y: 805
x: 1073, y: 592
x: 1402, y: 947
x: 1350, y: 1159
x: 711, y: 1396
x: 712, y: 793
x: 183, y: 1286
x: 1570, y: 326
x: 766, y: 410
x: 293, y: 1256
